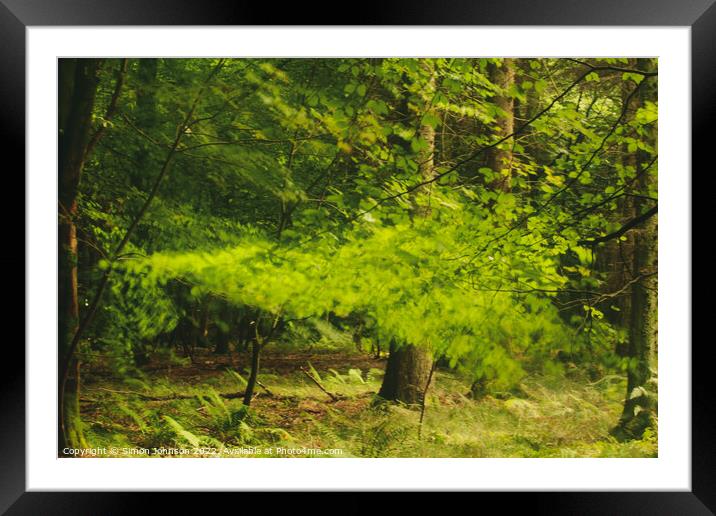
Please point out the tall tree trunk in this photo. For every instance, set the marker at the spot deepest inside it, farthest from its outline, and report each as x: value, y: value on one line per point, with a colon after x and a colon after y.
x: 617, y: 257
x: 146, y: 119
x: 202, y: 329
x: 499, y: 159
x: 640, y: 405
x: 408, y: 367
x: 78, y: 86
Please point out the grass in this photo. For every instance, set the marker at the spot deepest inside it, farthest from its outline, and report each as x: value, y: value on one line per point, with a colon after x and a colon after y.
x: 555, y: 417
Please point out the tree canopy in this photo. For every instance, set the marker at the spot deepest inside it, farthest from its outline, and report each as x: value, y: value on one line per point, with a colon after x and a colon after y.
x: 482, y: 209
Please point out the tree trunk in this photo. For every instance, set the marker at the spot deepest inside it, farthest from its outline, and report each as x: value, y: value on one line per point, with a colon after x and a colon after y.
x: 222, y: 344
x: 640, y: 405
x: 406, y: 374
x: 376, y: 348
x: 408, y: 367
x: 617, y: 258
x: 225, y: 329
x: 78, y: 85
x: 253, y: 376
x: 146, y: 119
x: 499, y: 159
x: 258, y: 342
x: 104, y: 281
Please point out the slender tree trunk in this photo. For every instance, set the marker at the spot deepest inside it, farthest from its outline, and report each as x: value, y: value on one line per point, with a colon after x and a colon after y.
x: 258, y: 343
x: 222, y: 344
x: 228, y: 319
x: 253, y: 376
x: 424, y: 397
x: 408, y: 367
x: 499, y: 159
x: 617, y: 258
x: 376, y: 348
x: 202, y: 329
x: 78, y: 85
x: 111, y: 108
x: 146, y: 119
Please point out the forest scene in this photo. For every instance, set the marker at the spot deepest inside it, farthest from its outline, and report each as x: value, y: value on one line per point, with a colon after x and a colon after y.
x: 357, y: 257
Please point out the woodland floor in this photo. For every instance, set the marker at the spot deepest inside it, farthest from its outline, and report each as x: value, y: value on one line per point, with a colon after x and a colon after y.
x: 196, y: 408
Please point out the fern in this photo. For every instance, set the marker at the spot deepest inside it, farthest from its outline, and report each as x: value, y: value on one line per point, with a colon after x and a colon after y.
x: 135, y: 416
x: 338, y: 376
x: 236, y: 376
x: 181, y: 432
x: 314, y: 372
x: 356, y: 375
x: 219, y: 413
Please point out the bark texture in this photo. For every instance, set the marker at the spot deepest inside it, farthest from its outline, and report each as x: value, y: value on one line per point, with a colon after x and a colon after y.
x: 78, y: 85
x: 499, y: 159
x: 408, y: 368
x: 253, y: 377
x: 640, y: 405
x: 406, y: 374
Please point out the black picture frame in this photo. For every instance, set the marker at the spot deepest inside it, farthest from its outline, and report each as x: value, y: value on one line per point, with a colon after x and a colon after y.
x: 17, y: 15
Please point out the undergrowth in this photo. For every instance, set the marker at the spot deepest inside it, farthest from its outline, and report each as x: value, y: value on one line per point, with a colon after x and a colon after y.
x: 553, y: 417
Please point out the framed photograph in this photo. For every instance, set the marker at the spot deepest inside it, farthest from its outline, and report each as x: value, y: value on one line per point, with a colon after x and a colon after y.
x: 423, y: 244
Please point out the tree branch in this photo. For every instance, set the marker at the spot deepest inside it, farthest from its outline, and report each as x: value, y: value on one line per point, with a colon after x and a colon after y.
x: 626, y: 227
x: 67, y: 359
x: 569, y: 183
x: 473, y: 156
x: 111, y: 108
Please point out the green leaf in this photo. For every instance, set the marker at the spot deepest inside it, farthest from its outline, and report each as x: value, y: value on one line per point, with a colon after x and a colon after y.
x: 431, y: 120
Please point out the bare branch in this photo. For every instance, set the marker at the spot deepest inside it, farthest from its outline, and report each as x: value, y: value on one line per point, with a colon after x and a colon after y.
x: 626, y: 227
